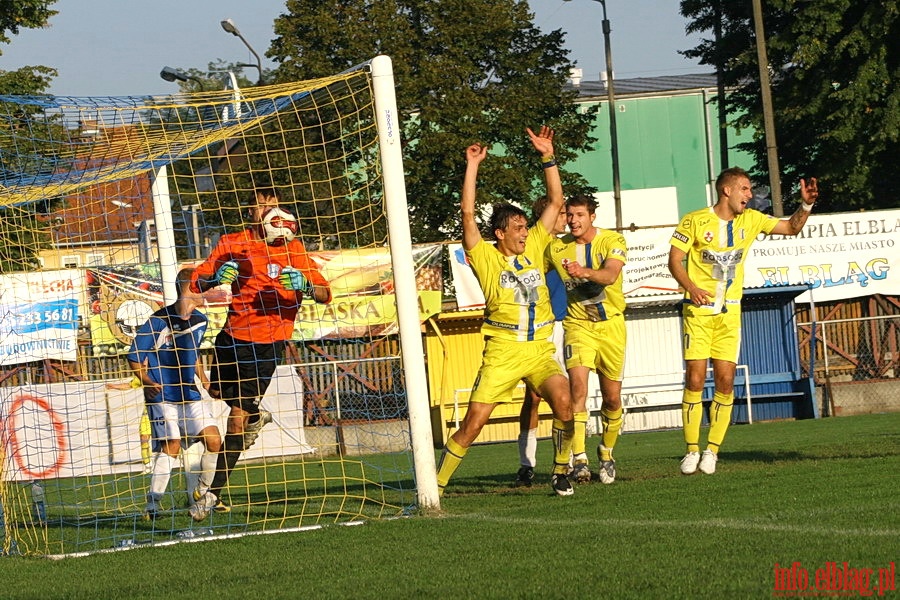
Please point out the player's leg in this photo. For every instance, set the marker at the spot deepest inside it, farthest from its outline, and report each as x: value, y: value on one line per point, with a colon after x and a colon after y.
x: 555, y: 389
x: 145, y: 434
x: 611, y: 349
x: 696, y: 344
x: 725, y: 349
x: 266, y: 358
x: 527, y: 440
x: 225, y: 385
x: 581, y: 356
x: 497, y: 377
x: 578, y: 383
x: 457, y: 446
x: 692, y: 413
x: 202, y: 424
x: 252, y: 367
x: 167, y: 441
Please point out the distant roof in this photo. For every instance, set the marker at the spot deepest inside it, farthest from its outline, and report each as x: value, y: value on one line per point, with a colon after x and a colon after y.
x: 647, y: 85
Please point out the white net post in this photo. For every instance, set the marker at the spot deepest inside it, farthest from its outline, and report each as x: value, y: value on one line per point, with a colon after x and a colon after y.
x: 405, y: 282
x: 165, y: 233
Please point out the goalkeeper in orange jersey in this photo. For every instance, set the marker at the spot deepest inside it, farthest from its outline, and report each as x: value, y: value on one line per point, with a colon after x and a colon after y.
x: 518, y: 318
x: 707, y: 260
x: 270, y: 273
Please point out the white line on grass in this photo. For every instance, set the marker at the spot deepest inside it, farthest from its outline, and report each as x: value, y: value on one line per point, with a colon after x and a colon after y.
x: 692, y: 524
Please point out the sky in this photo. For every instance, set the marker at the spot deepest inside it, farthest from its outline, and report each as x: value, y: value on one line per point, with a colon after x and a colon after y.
x: 118, y: 47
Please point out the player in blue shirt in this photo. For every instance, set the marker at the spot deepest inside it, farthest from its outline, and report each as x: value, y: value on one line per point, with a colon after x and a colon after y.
x: 165, y: 357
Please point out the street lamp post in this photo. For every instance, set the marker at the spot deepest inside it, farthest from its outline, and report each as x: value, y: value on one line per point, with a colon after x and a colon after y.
x: 611, y: 100
x: 173, y: 74
x: 229, y: 26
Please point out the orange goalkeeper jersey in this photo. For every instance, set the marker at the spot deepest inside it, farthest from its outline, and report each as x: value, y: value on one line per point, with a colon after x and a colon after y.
x: 262, y: 310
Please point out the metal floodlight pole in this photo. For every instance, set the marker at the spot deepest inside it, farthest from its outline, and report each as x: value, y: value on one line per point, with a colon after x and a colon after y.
x: 173, y: 74
x: 611, y: 100
x: 229, y: 26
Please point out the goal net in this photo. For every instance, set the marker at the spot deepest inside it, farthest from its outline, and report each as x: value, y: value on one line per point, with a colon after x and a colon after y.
x: 103, y: 202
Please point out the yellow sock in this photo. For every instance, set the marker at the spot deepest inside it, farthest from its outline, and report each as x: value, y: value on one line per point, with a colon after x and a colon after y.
x: 719, y: 419
x: 450, y: 458
x: 691, y: 416
x: 146, y: 455
x: 563, y: 431
x: 612, y: 423
x: 578, y: 438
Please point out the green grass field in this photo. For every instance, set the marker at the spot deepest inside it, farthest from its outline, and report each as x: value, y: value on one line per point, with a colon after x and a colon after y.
x: 807, y: 492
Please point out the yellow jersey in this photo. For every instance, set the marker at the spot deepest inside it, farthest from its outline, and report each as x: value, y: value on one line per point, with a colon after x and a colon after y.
x: 716, y: 250
x: 516, y: 298
x: 588, y: 300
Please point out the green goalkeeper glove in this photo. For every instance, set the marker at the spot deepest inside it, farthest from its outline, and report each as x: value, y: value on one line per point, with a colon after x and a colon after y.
x: 227, y: 273
x: 294, y: 280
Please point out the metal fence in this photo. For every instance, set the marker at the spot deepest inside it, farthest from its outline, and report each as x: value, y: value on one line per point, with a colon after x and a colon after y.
x: 855, y: 362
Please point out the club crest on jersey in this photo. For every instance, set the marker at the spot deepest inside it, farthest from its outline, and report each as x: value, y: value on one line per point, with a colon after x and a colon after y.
x: 273, y: 270
x: 708, y: 236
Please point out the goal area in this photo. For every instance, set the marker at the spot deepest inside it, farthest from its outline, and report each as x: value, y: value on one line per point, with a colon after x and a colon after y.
x: 102, y: 202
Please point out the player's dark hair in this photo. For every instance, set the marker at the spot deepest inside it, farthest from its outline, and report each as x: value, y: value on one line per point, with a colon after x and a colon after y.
x: 727, y: 176
x: 538, y: 208
x: 583, y: 200
x: 500, y: 216
x: 265, y: 192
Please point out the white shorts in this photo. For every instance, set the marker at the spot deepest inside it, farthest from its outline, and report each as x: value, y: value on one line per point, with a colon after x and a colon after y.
x: 172, y: 421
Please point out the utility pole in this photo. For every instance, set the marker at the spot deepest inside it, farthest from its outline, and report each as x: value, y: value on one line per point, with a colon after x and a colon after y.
x: 768, y: 118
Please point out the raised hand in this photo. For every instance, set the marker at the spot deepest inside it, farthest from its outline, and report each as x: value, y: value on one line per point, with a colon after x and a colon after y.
x: 543, y: 141
x: 227, y: 273
x: 476, y: 153
x: 295, y: 281
x: 809, y: 192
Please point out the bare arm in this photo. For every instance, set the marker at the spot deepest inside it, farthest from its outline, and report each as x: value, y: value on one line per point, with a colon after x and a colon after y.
x: 794, y: 224
x: 698, y: 296
x: 204, y: 380
x: 605, y: 275
x: 543, y: 143
x: 471, y: 235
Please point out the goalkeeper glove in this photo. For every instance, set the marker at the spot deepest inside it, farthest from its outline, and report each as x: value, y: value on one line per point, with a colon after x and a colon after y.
x: 227, y: 273
x: 294, y: 280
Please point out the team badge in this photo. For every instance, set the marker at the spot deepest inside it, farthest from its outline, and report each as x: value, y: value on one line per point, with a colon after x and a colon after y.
x: 273, y: 270
x: 708, y: 236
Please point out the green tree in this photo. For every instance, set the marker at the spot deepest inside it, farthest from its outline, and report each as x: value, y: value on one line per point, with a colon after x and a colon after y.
x: 23, y: 14
x: 466, y: 71
x: 834, y: 67
x: 22, y: 234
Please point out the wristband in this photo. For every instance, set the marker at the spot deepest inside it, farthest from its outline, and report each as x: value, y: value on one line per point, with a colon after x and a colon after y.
x: 806, y: 207
x: 548, y: 161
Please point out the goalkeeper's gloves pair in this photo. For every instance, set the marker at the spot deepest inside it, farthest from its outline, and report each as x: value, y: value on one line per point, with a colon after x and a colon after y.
x: 296, y: 281
x: 227, y: 273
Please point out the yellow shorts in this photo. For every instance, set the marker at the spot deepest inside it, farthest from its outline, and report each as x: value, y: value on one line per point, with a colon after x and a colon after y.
x: 145, y: 424
x: 712, y: 336
x: 598, y: 345
x: 506, y: 362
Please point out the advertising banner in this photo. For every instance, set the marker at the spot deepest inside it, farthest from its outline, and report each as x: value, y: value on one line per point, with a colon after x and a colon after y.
x: 39, y: 316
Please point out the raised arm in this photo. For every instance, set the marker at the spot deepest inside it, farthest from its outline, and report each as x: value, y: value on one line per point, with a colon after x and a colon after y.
x: 471, y: 234
x: 543, y: 143
x: 794, y: 224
